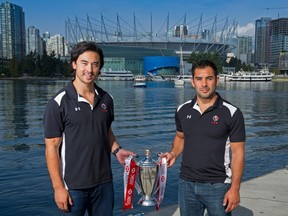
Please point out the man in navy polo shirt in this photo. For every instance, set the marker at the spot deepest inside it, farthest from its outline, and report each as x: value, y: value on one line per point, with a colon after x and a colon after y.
x: 210, y: 135
x: 79, y: 139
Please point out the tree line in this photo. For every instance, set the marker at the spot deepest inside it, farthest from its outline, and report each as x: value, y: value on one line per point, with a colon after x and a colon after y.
x: 220, y: 62
x: 34, y: 65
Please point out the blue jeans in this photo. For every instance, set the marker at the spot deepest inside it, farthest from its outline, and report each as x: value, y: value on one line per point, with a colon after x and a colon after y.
x: 195, y: 197
x: 97, y: 201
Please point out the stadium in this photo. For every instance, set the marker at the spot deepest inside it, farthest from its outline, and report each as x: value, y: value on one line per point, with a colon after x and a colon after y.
x: 129, y: 46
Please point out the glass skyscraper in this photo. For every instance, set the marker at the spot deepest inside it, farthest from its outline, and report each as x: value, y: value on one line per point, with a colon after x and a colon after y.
x: 279, y: 40
x: 12, y: 31
x: 34, y: 41
x: 262, y: 41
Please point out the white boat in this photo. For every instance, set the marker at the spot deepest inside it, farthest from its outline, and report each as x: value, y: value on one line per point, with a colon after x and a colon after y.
x: 157, y: 78
x: 123, y: 75
x: 179, y: 82
x: 185, y: 78
x: 139, y: 81
x: 255, y: 76
x: 181, y: 79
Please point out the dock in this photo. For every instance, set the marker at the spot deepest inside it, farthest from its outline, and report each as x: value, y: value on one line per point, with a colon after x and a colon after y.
x: 265, y: 195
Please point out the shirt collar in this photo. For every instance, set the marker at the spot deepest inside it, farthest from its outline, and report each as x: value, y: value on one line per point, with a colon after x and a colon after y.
x: 216, y: 104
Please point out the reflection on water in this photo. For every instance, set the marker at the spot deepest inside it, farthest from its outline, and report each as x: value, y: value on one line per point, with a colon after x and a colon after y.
x: 144, y: 118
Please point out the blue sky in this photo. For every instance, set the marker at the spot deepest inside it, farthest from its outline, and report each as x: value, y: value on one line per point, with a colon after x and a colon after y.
x: 50, y: 15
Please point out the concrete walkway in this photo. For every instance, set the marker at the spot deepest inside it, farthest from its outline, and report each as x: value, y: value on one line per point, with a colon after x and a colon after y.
x: 263, y: 196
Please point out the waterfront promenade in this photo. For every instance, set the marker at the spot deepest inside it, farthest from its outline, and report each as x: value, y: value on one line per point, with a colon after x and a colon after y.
x: 262, y: 196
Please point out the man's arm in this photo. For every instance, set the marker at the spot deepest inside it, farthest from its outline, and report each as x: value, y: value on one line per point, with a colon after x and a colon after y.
x: 61, y: 195
x: 120, y: 154
x: 232, y: 197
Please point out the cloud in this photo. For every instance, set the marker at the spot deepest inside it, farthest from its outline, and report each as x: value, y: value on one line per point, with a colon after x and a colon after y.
x: 247, y: 30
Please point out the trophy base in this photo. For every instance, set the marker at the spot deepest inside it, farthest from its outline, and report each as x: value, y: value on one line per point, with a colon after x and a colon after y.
x: 147, y: 201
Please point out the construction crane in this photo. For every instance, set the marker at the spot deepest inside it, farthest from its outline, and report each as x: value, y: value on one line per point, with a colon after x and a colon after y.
x: 275, y: 8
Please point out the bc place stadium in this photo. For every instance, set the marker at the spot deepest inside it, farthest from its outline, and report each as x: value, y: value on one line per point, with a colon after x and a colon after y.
x: 142, y: 49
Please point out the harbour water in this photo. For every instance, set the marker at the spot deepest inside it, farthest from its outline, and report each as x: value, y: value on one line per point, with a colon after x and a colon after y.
x: 144, y: 118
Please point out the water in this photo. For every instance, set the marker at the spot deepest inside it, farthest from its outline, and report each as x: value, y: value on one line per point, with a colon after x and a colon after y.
x: 144, y: 118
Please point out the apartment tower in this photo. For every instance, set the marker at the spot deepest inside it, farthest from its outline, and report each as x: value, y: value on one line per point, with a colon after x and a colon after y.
x: 278, y: 40
x: 12, y: 31
x: 262, y: 41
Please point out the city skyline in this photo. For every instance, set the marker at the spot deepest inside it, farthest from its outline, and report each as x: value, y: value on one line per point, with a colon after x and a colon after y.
x: 51, y: 15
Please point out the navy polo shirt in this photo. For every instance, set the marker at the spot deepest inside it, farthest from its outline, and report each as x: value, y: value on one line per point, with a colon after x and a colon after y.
x: 207, y: 137
x: 85, y: 152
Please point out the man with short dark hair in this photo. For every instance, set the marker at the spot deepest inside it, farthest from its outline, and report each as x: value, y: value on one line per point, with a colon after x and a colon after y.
x: 208, y: 130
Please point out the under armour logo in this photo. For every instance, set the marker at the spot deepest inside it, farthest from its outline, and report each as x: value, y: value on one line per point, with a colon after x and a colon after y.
x: 77, y: 109
x: 188, y: 116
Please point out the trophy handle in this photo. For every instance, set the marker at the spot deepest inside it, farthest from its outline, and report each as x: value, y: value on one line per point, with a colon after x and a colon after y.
x: 159, y: 159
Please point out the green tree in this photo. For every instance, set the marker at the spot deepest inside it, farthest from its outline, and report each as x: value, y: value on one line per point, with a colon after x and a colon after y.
x: 14, y: 68
x: 235, y: 62
x: 214, y: 57
x: 48, y: 66
x: 29, y: 64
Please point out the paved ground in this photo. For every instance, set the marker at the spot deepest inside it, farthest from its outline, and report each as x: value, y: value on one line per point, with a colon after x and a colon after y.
x: 263, y: 196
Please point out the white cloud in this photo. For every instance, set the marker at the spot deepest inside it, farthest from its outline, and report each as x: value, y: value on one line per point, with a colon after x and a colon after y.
x: 247, y: 30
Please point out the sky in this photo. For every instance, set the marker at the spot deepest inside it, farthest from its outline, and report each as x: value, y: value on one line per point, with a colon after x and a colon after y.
x: 50, y: 15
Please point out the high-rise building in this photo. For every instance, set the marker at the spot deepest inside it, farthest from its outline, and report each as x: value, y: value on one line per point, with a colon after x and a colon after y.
x: 283, y: 62
x: 180, y: 31
x: 46, y: 35
x: 205, y: 35
x: 12, y: 31
x: 56, y: 44
x: 262, y: 41
x: 244, y: 49
x: 34, y: 41
x: 279, y: 40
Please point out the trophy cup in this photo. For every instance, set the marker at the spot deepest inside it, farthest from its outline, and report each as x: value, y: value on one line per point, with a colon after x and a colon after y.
x: 148, y: 176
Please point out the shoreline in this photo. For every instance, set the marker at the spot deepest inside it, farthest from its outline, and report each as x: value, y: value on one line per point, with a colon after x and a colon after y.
x: 276, y: 78
x: 264, y: 195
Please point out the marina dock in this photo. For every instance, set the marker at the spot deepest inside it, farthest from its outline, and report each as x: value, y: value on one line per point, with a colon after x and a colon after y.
x: 266, y: 195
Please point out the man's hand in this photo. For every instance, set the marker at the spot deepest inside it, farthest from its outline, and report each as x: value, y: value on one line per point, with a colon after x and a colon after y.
x: 63, y: 199
x: 231, y: 199
x: 122, y: 154
x: 171, y: 158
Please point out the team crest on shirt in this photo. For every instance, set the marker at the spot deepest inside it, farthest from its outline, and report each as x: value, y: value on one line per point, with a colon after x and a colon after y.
x: 215, y: 119
x: 103, y: 107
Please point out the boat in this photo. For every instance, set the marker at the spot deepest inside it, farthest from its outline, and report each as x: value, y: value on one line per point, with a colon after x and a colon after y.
x: 123, y: 75
x: 179, y: 82
x: 139, y: 81
x: 157, y: 78
x: 185, y: 77
x: 254, y: 76
x: 181, y: 79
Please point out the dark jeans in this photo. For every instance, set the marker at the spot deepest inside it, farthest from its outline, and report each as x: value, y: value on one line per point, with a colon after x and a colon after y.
x: 195, y: 197
x: 97, y: 201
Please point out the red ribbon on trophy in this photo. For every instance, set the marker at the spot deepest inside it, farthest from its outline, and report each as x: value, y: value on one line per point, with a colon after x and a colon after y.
x: 161, y: 181
x: 130, y: 175
x: 151, y: 175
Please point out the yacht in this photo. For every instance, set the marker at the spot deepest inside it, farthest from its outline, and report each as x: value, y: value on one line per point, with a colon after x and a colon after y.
x: 123, y: 75
x: 244, y: 76
x: 157, y: 78
x: 185, y: 78
x: 179, y: 82
x: 182, y: 78
x: 140, y: 81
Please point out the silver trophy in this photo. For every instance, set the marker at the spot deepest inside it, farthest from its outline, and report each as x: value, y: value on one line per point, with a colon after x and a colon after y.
x: 148, y: 176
